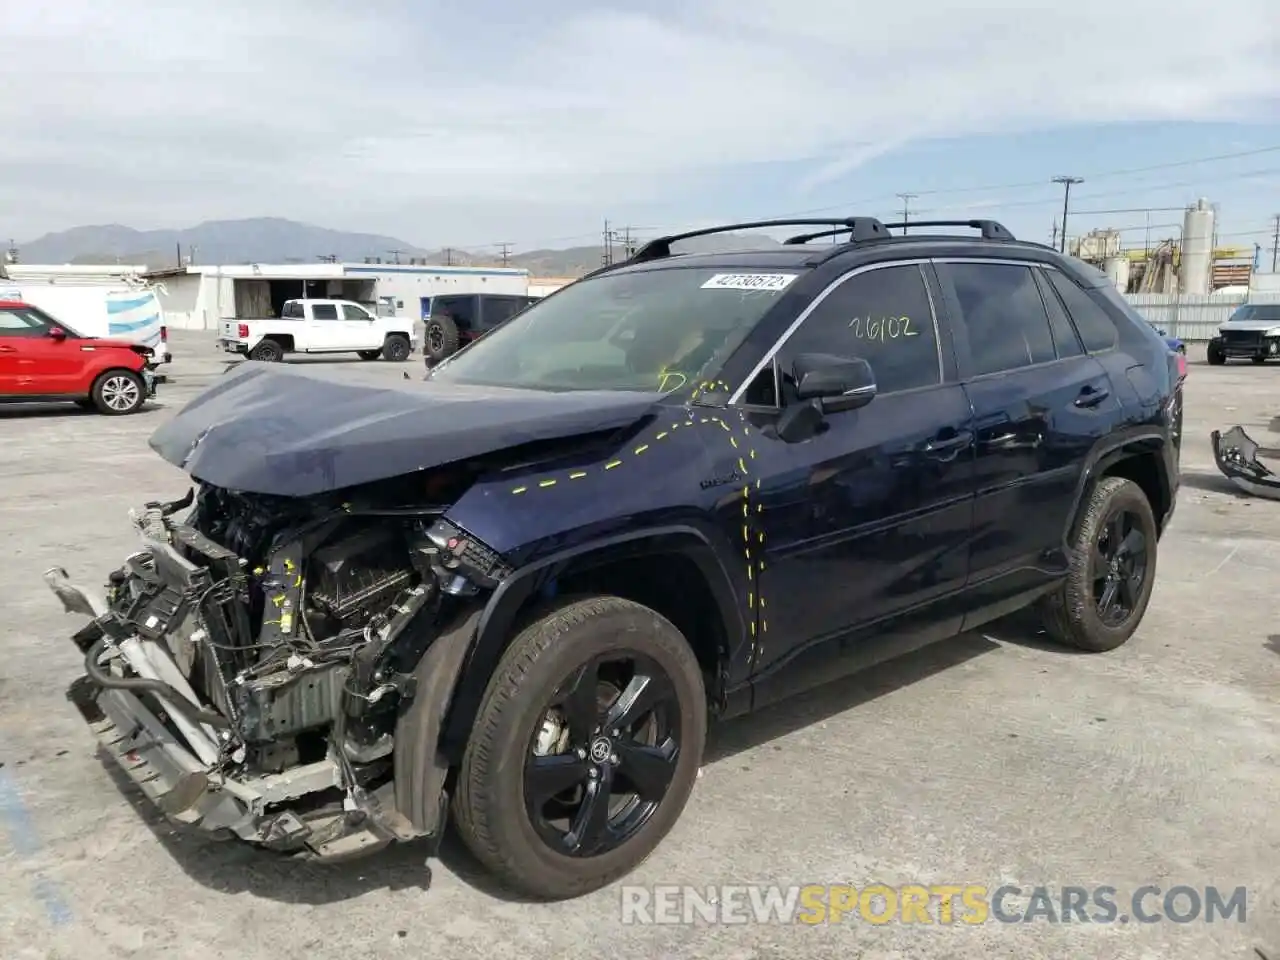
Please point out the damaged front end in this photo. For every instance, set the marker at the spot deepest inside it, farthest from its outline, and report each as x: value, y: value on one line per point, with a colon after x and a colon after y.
x: 1236, y: 455
x: 248, y: 665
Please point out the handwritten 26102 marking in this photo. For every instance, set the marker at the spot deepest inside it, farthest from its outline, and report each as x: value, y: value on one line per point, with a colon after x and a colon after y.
x: 882, y: 328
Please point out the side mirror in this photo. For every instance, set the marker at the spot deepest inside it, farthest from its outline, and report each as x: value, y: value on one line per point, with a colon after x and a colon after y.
x: 836, y: 383
x: 57, y: 333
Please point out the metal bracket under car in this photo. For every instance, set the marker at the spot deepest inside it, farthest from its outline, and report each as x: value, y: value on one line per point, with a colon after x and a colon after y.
x: 1237, y: 454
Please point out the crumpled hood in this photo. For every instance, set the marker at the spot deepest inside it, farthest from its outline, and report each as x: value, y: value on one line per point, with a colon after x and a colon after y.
x: 290, y: 431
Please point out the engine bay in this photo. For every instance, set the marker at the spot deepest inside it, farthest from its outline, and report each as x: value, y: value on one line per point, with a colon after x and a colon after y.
x: 299, y: 621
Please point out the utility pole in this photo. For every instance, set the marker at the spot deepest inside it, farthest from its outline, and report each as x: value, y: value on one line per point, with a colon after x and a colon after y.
x: 607, y: 258
x: 1275, y: 243
x: 628, y: 244
x: 506, y: 253
x: 1067, y: 183
x: 906, y: 199
x: 1053, y: 234
x: 448, y: 256
x: 396, y: 254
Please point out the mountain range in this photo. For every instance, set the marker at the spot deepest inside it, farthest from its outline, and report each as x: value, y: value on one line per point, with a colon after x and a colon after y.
x: 276, y: 240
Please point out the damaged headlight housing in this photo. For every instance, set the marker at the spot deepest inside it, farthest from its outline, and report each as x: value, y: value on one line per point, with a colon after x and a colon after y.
x: 463, y: 563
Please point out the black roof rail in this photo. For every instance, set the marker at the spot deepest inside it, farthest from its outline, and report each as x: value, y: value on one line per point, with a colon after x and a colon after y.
x: 859, y: 228
x: 991, y: 229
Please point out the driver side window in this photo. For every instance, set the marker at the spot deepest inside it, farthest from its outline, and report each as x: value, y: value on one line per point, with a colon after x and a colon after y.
x: 883, y: 316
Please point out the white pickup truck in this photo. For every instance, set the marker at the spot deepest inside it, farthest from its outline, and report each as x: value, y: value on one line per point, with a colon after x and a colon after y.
x: 320, y: 326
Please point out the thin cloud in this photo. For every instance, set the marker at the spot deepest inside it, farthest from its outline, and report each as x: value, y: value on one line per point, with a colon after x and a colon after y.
x: 430, y: 119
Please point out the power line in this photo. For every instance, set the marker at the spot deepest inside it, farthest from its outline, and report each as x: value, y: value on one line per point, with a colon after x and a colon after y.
x: 1020, y: 185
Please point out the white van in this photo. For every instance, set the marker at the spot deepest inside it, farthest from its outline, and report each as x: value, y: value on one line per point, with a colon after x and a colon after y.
x: 118, y: 313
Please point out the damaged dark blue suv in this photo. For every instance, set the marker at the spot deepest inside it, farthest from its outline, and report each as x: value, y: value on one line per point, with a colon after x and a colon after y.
x: 676, y: 490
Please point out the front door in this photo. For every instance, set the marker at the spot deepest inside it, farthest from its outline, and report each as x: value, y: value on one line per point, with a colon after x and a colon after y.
x: 33, y: 363
x: 870, y: 518
x: 363, y: 330
x: 1039, y: 403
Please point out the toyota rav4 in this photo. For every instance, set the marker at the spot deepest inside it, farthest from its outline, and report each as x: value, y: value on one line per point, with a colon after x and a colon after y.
x: 673, y: 492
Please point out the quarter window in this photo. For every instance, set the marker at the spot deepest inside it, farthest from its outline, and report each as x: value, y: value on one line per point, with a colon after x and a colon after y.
x: 1096, y: 329
x: 1004, y: 316
x: 882, y: 316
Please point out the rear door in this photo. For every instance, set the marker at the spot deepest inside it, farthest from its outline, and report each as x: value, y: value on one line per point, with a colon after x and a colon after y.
x: 326, y: 330
x: 1039, y: 403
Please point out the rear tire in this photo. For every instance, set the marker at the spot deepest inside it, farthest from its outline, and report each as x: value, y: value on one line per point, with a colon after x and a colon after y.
x: 267, y: 351
x: 1214, y: 354
x: 440, y: 338
x: 1116, y: 512
x: 118, y: 392
x: 531, y: 729
x: 397, y: 348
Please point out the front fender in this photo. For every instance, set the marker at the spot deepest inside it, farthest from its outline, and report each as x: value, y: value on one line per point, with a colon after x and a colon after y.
x: 498, y: 619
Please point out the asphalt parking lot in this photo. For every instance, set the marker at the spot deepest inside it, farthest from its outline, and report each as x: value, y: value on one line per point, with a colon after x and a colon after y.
x: 989, y: 760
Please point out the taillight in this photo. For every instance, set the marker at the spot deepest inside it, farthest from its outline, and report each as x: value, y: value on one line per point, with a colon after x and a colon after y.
x: 164, y: 334
x: 1182, y: 365
x: 242, y: 331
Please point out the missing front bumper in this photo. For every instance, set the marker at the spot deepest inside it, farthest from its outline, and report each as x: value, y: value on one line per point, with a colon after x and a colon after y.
x: 1236, y: 454
x: 183, y: 766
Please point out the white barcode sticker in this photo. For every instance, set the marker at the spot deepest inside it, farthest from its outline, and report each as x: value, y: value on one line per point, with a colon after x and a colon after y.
x: 750, y: 281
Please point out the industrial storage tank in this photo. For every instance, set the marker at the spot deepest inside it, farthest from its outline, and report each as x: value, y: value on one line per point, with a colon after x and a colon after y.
x: 1117, y: 271
x: 1197, y: 249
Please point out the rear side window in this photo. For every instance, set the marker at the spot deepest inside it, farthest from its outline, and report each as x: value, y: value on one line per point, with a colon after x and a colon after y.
x: 501, y: 309
x: 883, y: 316
x: 1096, y: 329
x: 292, y: 310
x: 1004, y: 316
x: 1065, y: 339
x: 324, y: 311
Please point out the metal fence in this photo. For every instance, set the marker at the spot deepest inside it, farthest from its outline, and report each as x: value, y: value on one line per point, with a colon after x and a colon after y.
x: 1193, y: 318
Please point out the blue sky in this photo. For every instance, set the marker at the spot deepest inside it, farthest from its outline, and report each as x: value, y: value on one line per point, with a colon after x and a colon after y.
x: 471, y: 124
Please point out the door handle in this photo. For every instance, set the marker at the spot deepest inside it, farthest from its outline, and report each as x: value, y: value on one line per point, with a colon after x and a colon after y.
x: 1091, y: 396
x: 8, y: 349
x: 952, y: 444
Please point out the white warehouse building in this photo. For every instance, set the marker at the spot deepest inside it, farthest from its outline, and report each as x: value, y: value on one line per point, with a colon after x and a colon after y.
x: 200, y: 297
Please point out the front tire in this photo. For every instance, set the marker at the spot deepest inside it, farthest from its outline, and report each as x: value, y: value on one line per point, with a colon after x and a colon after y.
x: 585, y: 750
x: 1214, y: 354
x: 1113, y: 568
x: 118, y: 392
x: 396, y: 348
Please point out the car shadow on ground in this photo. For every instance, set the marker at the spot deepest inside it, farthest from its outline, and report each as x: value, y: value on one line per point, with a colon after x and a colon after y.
x: 233, y: 867
x: 33, y: 411
x: 1212, y: 483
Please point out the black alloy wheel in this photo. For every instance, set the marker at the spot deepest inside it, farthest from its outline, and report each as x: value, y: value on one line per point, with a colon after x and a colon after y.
x: 1119, y: 567
x: 604, y: 756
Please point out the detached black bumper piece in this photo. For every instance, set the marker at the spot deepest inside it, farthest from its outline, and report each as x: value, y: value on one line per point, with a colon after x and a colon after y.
x: 1236, y: 455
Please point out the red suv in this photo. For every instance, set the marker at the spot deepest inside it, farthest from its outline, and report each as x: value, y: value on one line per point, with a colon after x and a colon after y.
x: 44, y: 359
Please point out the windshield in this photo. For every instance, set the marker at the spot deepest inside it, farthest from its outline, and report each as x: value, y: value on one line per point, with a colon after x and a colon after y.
x: 1255, y: 311
x: 651, y: 330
